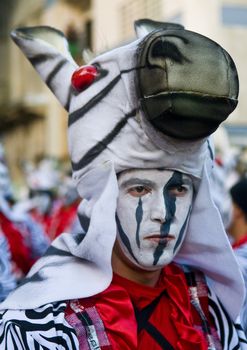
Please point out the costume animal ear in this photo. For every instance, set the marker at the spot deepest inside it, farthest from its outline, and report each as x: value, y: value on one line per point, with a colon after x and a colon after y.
x: 47, y: 50
x: 146, y: 26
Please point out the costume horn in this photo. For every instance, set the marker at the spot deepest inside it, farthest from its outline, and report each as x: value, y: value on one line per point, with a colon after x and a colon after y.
x: 47, y: 50
x: 145, y: 26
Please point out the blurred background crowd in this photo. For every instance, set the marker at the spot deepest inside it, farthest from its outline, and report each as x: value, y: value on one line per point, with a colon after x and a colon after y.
x: 45, y: 208
x: 38, y: 200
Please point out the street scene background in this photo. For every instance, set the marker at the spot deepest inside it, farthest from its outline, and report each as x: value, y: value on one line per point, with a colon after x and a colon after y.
x: 33, y: 124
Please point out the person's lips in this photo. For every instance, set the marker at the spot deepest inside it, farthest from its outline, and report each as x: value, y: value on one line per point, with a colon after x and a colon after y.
x: 158, y: 238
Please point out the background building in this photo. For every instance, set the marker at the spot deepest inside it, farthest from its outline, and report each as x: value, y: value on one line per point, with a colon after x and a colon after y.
x: 32, y: 123
x: 225, y: 21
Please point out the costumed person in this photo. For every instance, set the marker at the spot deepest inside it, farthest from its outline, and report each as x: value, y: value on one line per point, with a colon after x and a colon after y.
x: 7, y: 278
x: 148, y: 269
x: 238, y: 232
x: 26, y: 238
x: 53, y: 198
x: 43, y: 182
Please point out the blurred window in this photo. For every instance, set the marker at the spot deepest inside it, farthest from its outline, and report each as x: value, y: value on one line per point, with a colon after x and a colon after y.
x: 234, y: 15
x: 49, y: 3
x: 237, y: 134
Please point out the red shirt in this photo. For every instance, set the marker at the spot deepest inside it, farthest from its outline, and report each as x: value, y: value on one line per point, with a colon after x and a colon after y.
x: 58, y: 220
x: 240, y: 242
x: 173, y: 318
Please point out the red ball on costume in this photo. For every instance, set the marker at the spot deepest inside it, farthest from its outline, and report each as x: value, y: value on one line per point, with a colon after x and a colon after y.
x: 83, y: 77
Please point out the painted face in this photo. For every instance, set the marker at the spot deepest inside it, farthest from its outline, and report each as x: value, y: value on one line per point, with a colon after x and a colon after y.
x: 152, y: 214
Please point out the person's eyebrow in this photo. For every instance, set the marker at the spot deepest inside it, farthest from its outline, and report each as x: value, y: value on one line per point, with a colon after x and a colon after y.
x: 183, y: 181
x: 186, y: 180
x: 137, y: 181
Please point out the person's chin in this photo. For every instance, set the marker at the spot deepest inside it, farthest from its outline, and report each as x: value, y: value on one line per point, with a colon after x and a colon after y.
x: 149, y: 265
x: 142, y: 264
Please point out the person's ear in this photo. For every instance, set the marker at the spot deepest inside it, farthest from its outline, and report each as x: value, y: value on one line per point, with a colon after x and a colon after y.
x: 237, y: 212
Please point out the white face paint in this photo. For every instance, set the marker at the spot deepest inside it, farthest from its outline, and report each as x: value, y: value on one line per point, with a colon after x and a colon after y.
x: 152, y: 214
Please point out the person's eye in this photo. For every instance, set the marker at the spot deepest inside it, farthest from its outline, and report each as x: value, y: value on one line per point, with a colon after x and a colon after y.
x: 138, y: 191
x: 178, y: 191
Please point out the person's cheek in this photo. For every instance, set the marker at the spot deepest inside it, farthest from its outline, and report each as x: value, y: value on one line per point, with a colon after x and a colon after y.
x: 183, y: 217
x: 125, y: 237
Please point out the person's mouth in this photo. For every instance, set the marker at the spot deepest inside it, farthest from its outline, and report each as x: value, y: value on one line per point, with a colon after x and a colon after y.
x: 161, y: 239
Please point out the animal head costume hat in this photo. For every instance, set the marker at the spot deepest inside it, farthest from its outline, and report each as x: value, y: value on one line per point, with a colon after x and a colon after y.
x: 149, y: 104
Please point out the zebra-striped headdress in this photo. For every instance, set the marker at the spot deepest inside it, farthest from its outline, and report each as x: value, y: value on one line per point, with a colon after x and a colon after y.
x: 151, y: 104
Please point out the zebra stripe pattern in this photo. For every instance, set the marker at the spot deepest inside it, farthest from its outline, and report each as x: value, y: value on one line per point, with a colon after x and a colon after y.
x: 231, y: 335
x: 46, y: 328
x: 7, y: 280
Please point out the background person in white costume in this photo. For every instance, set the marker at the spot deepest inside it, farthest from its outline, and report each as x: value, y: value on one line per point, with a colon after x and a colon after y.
x: 149, y: 268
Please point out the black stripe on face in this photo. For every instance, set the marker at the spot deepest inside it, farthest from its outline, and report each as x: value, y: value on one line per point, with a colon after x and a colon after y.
x: 170, y: 205
x: 181, y: 233
x: 124, y: 238
x: 139, y: 215
x: 170, y: 202
x: 102, y: 145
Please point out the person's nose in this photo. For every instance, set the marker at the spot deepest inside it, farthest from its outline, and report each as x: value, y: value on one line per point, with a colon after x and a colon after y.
x: 158, y: 210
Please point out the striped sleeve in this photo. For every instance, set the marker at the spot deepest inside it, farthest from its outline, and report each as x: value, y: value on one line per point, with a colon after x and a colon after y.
x: 44, y: 328
x: 231, y: 334
x: 7, y: 279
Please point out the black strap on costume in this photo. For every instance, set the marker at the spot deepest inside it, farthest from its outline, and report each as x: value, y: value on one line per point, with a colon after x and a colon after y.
x: 142, y: 319
x: 85, y: 318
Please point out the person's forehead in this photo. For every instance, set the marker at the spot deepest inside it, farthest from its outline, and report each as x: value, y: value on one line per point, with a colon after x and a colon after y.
x: 132, y: 176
